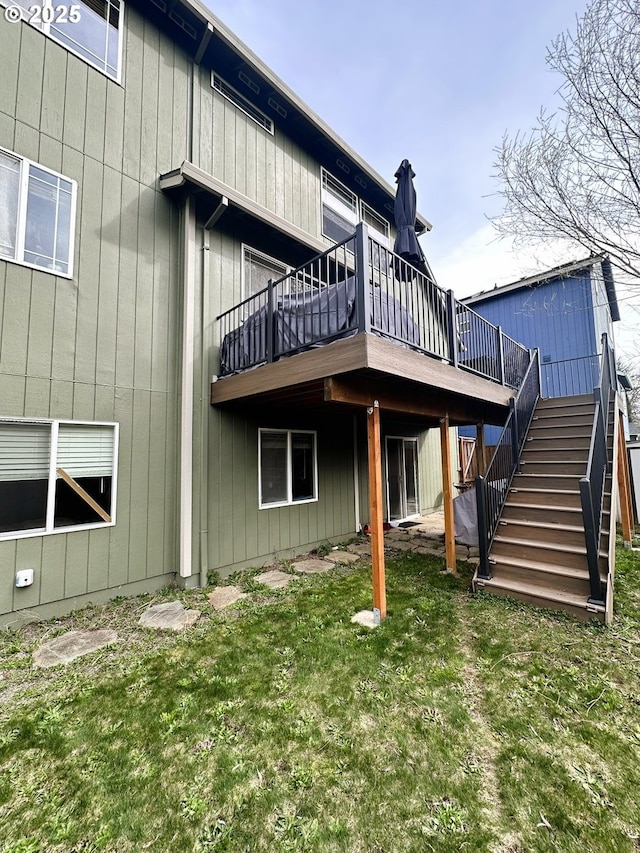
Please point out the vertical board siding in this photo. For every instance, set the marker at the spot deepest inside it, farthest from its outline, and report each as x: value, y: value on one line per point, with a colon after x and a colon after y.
x: 103, y: 345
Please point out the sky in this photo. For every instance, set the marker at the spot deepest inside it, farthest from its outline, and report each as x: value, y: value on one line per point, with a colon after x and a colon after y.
x: 437, y: 83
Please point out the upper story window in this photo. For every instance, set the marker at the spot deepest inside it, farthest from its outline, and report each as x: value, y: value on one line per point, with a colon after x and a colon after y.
x: 257, y: 270
x: 56, y: 476
x: 241, y: 102
x: 342, y: 210
x: 91, y: 29
x: 37, y: 214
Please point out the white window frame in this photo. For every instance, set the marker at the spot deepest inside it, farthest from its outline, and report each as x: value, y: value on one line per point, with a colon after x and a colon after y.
x: 259, y: 256
x: 353, y: 214
x: 67, y: 8
x: 49, y: 529
x: 289, y: 473
x: 23, y: 195
x: 231, y: 94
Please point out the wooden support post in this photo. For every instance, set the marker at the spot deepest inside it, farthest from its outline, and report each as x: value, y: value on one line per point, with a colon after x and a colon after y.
x: 375, y: 512
x: 481, y: 449
x: 447, y: 495
x: 624, y: 487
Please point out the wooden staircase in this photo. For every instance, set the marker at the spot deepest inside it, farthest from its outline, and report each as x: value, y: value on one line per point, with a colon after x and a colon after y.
x: 538, y: 553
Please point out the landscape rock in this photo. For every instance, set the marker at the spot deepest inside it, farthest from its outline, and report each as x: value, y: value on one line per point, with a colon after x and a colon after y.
x: 71, y: 645
x: 274, y: 579
x: 312, y: 566
x: 170, y: 616
x: 365, y: 618
x: 225, y: 596
x: 343, y: 557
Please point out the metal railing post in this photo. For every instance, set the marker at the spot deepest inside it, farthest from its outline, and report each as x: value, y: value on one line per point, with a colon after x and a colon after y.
x: 515, y: 444
x: 500, y: 356
x: 363, y: 292
x: 270, y: 323
x: 452, y: 328
x: 590, y: 532
x: 483, y: 533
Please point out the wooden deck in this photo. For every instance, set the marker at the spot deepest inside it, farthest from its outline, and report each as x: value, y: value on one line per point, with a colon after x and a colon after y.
x: 356, y: 371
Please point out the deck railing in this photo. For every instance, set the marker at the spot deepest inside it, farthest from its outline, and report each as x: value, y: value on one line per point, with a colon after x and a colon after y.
x: 492, y: 488
x: 360, y: 286
x: 570, y: 376
x: 592, y: 485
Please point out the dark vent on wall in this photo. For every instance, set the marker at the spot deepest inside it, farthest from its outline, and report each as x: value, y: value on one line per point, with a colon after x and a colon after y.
x: 180, y: 21
x: 361, y: 182
x: 249, y: 82
x: 343, y: 166
x: 277, y: 107
x: 546, y: 359
x: 389, y: 207
x: 160, y: 4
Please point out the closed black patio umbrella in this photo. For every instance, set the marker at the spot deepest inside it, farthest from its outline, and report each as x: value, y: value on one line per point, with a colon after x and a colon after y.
x: 406, y: 243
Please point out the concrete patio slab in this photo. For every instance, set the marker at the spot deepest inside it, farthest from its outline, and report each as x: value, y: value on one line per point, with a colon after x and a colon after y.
x: 170, y: 616
x: 72, y: 645
x: 274, y: 579
x: 225, y: 596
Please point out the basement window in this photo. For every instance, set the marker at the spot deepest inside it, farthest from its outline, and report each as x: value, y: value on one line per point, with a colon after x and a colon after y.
x: 56, y: 476
x: 288, y: 467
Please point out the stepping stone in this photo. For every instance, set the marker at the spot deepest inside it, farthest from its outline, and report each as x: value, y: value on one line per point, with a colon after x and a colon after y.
x: 274, y: 579
x: 170, y: 616
x: 396, y: 533
x: 72, y: 645
x: 399, y: 545
x: 225, y: 596
x: 312, y: 567
x: 343, y: 557
x: 363, y: 549
x: 425, y: 549
x: 365, y: 618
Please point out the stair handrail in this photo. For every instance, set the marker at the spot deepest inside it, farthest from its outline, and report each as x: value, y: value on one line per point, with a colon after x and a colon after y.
x: 505, y: 462
x: 592, y: 485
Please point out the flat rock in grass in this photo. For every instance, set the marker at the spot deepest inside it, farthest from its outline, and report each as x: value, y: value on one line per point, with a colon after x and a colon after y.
x: 365, y: 618
x: 225, y: 596
x: 363, y: 549
x: 170, y: 616
x: 342, y: 557
x: 396, y: 533
x: 72, y: 645
x: 274, y: 579
x: 426, y: 549
x: 312, y: 567
x: 399, y: 545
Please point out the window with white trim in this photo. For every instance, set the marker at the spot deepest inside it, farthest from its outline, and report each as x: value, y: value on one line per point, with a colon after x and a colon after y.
x: 92, y: 29
x: 56, y: 476
x: 288, y: 467
x: 342, y: 210
x: 241, y: 102
x: 37, y: 215
x: 257, y: 269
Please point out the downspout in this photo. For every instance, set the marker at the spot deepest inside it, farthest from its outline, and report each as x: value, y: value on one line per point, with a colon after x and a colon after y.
x: 204, y: 416
x: 186, y: 402
x: 205, y: 347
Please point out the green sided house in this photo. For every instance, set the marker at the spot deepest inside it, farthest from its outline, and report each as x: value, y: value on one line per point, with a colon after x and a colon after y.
x: 205, y: 337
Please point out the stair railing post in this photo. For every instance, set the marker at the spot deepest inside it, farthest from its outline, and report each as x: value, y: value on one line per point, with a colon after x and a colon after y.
x: 590, y: 536
x: 483, y: 533
x: 515, y: 445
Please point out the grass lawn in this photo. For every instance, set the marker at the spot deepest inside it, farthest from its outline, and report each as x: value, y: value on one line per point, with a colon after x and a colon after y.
x: 461, y: 724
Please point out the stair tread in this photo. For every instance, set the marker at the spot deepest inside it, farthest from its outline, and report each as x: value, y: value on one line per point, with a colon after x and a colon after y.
x: 547, y: 525
x: 548, y: 546
x: 539, y: 592
x: 548, y: 568
x: 547, y: 507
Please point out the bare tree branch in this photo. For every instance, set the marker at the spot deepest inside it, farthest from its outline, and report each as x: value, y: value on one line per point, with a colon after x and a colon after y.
x: 576, y: 176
